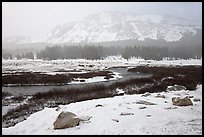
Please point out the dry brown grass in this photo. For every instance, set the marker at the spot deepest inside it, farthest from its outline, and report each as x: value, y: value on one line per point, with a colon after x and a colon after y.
x: 188, y: 76
x: 5, y: 94
x: 30, y: 78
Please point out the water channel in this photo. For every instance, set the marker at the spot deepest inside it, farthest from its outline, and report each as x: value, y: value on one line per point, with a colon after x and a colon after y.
x: 30, y: 90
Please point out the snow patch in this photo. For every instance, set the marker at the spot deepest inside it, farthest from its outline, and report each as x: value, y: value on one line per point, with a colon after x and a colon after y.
x: 154, y: 119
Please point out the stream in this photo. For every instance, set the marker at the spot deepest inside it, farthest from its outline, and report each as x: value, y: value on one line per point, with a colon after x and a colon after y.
x: 30, y: 90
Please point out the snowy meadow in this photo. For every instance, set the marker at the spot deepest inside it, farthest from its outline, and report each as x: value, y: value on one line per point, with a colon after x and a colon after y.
x: 120, y: 96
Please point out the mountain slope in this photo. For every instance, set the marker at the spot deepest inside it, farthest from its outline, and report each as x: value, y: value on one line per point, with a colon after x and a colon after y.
x: 115, y: 26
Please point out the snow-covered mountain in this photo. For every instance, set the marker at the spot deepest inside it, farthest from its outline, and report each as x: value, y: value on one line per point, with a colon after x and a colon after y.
x: 114, y: 26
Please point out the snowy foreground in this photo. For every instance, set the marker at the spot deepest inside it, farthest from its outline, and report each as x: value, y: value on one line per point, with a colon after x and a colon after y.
x: 162, y: 118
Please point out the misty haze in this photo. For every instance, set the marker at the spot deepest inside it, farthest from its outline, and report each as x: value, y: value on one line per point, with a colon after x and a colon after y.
x: 113, y: 68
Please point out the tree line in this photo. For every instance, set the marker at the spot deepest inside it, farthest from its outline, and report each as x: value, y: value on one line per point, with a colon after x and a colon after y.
x: 98, y: 52
x: 7, y: 55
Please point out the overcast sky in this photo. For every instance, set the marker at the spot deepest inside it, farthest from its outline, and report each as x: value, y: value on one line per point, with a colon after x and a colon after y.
x: 32, y: 18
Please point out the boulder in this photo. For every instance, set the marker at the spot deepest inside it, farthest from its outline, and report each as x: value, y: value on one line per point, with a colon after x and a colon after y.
x: 144, y: 102
x: 66, y: 120
x: 177, y: 101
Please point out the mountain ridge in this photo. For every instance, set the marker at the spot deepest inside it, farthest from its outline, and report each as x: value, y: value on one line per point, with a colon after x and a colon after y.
x: 115, y: 26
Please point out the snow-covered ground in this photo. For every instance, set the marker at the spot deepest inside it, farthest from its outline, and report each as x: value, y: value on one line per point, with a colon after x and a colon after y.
x: 162, y: 118
x: 83, y: 65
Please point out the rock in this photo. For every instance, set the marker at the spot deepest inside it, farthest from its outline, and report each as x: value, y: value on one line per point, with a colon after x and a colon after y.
x: 58, y: 108
x: 190, y: 96
x: 148, y: 115
x: 142, y: 107
x: 90, y: 65
x: 146, y: 94
x: 160, y: 96
x: 82, y: 80
x: 115, y: 120
x: 66, y: 120
x: 99, y: 105
x: 125, y: 113
x: 145, y: 102
x: 177, y: 101
x: 196, y: 99
x: 176, y: 88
